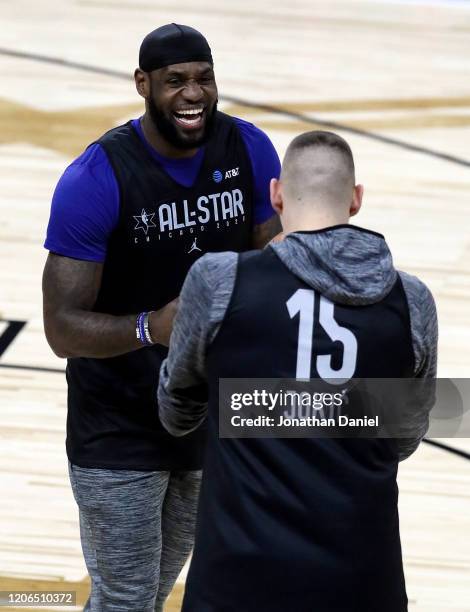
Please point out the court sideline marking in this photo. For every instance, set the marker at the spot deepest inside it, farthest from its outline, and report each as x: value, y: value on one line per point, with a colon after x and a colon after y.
x: 263, y: 107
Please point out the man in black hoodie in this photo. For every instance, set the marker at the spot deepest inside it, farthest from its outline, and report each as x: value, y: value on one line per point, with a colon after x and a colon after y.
x: 304, y: 525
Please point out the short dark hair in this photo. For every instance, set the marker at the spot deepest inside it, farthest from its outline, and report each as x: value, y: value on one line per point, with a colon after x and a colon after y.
x: 319, y: 138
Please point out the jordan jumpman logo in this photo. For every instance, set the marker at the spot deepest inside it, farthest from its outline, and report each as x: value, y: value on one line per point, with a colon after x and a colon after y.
x: 194, y: 247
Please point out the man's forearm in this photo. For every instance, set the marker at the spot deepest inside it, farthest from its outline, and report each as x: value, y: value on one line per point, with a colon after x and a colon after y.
x: 79, y: 333
x: 181, y: 411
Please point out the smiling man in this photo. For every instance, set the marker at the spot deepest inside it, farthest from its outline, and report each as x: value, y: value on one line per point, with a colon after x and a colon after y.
x: 129, y: 217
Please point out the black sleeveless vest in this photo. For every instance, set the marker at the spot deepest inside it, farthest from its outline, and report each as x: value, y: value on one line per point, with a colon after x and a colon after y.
x: 163, y: 228
x: 308, y: 525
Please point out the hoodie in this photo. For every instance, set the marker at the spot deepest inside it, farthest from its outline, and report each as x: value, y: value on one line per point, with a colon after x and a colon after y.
x: 345, y: 263
x: 308, y: 523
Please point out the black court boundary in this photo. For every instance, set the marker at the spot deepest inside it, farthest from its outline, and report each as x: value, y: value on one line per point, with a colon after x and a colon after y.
x: 440, y: 445
x: 276, y: 110
x: 14, y: 366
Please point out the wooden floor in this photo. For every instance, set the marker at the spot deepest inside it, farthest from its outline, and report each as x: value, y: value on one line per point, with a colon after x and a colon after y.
x: 395, y: 69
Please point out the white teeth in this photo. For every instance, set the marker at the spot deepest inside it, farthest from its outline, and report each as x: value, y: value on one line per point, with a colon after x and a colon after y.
x: 189, y: 116
x: 189, y: 121
x: 195, y: 111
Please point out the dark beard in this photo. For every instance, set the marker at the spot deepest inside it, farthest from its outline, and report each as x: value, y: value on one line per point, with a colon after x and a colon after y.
x: 170, y: 132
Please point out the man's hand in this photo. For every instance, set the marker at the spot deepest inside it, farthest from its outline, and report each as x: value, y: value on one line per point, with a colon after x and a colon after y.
x: 161, y: 322
x: 73, y: 329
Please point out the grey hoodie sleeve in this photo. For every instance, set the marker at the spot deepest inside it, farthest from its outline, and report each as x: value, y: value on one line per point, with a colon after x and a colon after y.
x: 424, y: 333
x: 206, y: 293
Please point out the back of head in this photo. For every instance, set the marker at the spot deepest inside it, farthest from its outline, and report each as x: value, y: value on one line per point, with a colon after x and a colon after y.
x: 318, y: 168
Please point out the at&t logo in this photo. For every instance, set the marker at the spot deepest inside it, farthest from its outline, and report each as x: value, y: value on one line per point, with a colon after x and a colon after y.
x: 218, y: 176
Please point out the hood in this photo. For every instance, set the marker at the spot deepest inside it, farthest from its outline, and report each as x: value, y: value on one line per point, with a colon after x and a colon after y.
x: 345, y: 263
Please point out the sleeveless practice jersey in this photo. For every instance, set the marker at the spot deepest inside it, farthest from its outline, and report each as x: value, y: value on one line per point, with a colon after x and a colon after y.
x: 85, y: 205
x: 163, y: 228
x: 304, y: 525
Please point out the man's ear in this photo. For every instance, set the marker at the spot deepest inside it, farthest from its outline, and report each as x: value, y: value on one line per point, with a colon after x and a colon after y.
x: 275, y: 192
x: 142, y: 82
x: 357, y: 200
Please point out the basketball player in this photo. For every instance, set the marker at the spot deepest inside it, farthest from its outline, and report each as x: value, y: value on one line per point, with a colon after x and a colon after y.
x: 309, y: 525
x: 128, y: 219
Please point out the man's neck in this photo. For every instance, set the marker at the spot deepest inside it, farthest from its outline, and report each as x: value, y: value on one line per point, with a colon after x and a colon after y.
x: 162, y: 146
x: 313, y: 223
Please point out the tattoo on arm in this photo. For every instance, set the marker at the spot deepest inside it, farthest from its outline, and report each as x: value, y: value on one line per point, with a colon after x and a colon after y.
x: 70, y: 289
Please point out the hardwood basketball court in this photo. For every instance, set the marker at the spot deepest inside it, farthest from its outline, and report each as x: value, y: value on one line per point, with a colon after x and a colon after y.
x: 391, y: 77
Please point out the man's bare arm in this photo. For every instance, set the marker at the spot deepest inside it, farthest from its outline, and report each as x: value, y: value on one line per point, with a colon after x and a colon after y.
x: 263, y: 232
x: 70, y: 289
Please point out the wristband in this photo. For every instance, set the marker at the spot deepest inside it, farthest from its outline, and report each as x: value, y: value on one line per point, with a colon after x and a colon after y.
x: 138, y: 331
x: 148, y: 337
x: 142, y: 330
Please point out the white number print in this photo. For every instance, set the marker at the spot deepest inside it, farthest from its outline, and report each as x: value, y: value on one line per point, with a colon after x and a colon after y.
x: 303, y: 302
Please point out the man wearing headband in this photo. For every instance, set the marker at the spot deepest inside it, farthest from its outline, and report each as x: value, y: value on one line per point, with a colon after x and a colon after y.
x: 129, y: 217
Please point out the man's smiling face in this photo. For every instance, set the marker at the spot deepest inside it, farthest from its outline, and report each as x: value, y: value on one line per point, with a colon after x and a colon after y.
x: 182, y: 103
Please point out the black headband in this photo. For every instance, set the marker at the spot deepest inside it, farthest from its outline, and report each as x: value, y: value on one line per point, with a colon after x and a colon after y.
x: 173, y: 44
